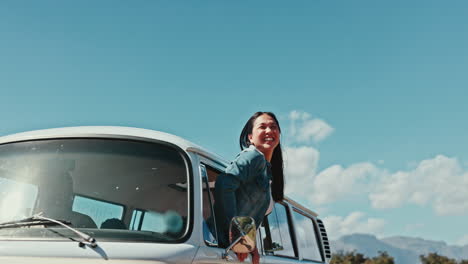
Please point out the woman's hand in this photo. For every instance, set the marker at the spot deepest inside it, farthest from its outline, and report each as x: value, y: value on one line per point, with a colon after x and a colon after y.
x: 254, y: 255
x: 242, y: 256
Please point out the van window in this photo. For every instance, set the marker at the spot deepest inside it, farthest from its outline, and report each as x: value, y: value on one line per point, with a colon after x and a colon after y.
x: 306, y: 235
x: 276, y: 234
x: 151, y: 221
x: 92, y: 183
x: 99, y: 211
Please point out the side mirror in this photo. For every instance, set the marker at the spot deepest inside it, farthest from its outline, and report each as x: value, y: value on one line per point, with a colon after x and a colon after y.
x: 242, y: 235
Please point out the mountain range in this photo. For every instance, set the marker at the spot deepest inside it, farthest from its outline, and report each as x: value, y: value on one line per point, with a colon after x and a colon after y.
x: 405, y: 250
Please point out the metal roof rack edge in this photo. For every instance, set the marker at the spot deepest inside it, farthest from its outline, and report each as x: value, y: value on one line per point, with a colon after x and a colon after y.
x: 300, y: 206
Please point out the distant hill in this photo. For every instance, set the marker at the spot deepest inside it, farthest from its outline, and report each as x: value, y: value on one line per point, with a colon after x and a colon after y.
x: 405, y: 250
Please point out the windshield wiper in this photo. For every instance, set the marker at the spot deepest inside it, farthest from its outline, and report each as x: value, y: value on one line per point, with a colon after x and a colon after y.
x: 38, y: 219
x: 30, y: 221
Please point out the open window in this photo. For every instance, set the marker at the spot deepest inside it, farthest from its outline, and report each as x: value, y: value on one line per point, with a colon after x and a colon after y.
x: 209, y: 175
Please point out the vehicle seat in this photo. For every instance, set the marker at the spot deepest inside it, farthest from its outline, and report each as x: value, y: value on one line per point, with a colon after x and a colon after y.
x: 113, y: 223
x: 82, y: 220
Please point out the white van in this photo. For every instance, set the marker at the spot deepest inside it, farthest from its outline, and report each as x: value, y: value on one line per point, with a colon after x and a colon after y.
x: 128, y: 195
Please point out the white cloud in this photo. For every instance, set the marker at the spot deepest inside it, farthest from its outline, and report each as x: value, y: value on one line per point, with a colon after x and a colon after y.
x: 300, y: 165
x: 294, y: 115
x: 304, y: 129
x: 440, y: 182
x: 327, y: 186
x: 387, y: 194
x: 356, y: 222
x: 336, y: 182
x: 463, y: 241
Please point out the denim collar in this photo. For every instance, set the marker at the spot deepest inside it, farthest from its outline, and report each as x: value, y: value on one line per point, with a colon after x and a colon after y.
x: 255, y: 148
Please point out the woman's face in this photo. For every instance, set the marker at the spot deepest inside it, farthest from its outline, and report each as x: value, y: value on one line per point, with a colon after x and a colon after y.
x: 265, y: 134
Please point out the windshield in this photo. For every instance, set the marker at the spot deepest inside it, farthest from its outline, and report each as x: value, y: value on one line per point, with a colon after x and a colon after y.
x: 114, y: 189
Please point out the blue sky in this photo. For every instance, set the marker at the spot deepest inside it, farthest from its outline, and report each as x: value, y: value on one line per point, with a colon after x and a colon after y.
x: 387, y: 79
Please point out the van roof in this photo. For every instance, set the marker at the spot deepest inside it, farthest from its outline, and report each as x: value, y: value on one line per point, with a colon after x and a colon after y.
x: 113, y: 132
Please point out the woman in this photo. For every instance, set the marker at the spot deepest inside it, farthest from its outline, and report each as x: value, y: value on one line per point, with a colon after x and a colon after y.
x: 254, y: 180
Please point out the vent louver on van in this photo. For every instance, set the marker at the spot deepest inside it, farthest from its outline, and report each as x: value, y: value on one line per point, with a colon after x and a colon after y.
x: 326, y: 243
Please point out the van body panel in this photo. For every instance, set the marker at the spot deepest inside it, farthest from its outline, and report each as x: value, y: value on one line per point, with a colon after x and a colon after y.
x: 208, y: 255
x: 110, y: 252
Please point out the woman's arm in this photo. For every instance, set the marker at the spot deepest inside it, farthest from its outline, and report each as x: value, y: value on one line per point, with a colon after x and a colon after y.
x: 241, y: 171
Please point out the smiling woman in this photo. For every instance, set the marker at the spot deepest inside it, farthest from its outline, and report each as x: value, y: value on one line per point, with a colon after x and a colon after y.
x: 265, y: 135
x: 277, y: 184
x: 251, y: 184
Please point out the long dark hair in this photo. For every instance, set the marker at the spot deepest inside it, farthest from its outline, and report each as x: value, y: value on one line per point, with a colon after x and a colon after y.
x: 277, y: 184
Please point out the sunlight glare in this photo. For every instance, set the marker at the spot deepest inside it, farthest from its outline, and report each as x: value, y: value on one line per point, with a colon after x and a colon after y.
x: 11, y: 207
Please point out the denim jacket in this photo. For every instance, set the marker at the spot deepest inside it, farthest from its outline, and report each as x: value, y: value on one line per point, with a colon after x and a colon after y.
x: 242, y: 190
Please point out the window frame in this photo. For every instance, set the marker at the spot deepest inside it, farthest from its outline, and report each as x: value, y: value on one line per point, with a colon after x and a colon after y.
x: 206, y: 163
x: 290, y: 231
x: 186, y: 158
x: 316, y: 234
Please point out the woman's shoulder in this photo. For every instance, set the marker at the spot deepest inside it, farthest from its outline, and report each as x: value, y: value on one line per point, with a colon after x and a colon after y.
x: 251, y: 154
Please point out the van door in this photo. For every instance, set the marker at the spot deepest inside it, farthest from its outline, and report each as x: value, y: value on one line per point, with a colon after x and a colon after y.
x: 209, y: 252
